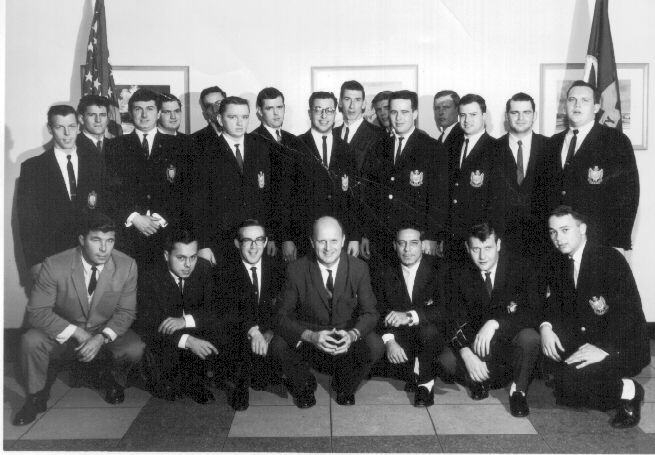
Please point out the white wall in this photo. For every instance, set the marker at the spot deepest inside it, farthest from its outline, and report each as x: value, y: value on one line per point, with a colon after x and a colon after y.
x: 493, y: 48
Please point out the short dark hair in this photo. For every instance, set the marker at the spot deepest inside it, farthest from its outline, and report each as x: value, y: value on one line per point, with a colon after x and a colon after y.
x: 63, y: 110
x: 520, y: 96
x: 144, y: 94
x: 268, y: 93
x: 208, y: 90
x: 450, y: 93
x: 404, y: 95
x: 581, y: 83
x: 93, y: 220
x: 92, y: 100
x: 232, y: 100
x: 322, y: 96
x: 249, y: 223
x: 412, y: 226
x: 380, y: 96
x: 352, y: 85
x: 473, y: 98
x: 178, y: 235
x: 481, y: 232
x: 166, y: 97
x: 564, y: 210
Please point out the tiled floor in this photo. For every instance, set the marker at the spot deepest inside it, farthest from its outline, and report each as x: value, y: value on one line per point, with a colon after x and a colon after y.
x: 383, y: 420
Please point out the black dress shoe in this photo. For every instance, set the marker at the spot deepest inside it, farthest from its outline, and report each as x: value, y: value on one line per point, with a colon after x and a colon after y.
x: 479, y: 391
x: 114, y: 394
x: 199, y: 394
x: 424, y: 397
x: 518, y: 405
x: 345, y: 399
x: 412, y: 383
x: 34, y: 404
x: 628, y: 414
x: 305, y: 399
x: 241, y: 398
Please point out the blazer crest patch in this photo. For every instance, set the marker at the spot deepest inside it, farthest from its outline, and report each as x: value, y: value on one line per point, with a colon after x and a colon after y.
x: 416, y: 178
x: 599, y: 305
x: 595, y: 176
x: 261, y: 180
x: 477, y: 179
x: 511, y: 308
x: 429, y: 302
x: 92, y: 200
x: 344, y: 183
x: 171, y: 171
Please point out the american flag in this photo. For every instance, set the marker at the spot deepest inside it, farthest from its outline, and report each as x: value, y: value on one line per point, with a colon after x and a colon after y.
x: 98, y: 77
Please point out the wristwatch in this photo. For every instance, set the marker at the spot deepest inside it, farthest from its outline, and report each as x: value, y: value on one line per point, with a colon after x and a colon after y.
x: 411, y: 318
x: 106, y: 337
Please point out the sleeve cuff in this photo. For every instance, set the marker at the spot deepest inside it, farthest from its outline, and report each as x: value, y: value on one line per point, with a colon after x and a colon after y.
x: 110, y: 332
x: 546, y: 324
x: 252, y: 331
x: 414, y: 317
x: 128, y: 223
x: 162, y: 221
x: 182, y: 343
x: 190, y: 322
x: 66, y: 334
x: 388, y: 337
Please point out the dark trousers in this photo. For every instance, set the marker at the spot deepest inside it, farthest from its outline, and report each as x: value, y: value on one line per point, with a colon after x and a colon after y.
x: 509, y: 359
x: 349, y: 368
x: 425, y: 343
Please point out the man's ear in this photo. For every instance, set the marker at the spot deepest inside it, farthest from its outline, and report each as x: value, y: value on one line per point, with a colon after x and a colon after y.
x: 166, y: 255
x: 583, y: 228
x: 80, y: 238
x: 236, y: 243
x: 498, y: 244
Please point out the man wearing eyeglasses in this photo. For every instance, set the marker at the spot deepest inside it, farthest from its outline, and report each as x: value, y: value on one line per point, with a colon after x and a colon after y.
x: 328, y: 179
x: 248, y: 285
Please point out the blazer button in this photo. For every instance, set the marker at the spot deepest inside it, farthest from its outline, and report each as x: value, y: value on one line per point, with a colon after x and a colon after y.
x: 391, y: 196
x: 454, y: 201
x: 329, y: 196
x: 393, y: 179
x: 563, y: 193
x: 456, y: 183
x: 582, y: 329
x: 149, y: 197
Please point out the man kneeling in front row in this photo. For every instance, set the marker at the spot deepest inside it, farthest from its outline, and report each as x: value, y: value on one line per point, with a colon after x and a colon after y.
x: 82, y: 305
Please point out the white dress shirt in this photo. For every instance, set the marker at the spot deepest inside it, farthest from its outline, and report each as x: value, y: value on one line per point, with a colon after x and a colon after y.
x: 492, y: 276
x: 324, y: 272
x: 93, y: 138
x: 582, y: 134
x: 352, y: 128
x: 473, y: 140
x: 396, y: 141
x: 258, y: 266
x: 62, y: 161
x: 273, y: 131
x: 232, y: 142
x: 318, y: 140
x: 150, y: 138
x: 526, y: 146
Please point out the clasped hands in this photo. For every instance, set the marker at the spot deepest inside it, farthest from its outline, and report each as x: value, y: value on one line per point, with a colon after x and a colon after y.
x: 585, y: 355
x: 89, y: 345
x: 332, y: 342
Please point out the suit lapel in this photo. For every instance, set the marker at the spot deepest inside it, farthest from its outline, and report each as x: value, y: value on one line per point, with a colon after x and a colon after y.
x: 407, y: 149
x: 476, y: 149
x: 341, y: 278
x: 401, y: 285
x: 228, y: 154
x: 499, y: 281
x: 55, y: 172
x: 103, y: 281
x: 317, y: 281
x: 77, y: 271
x: 265, y: 279
x: 420, y: 281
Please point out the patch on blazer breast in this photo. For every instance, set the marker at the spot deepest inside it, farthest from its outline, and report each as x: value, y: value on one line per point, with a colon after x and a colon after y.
x: 171, y: 171
x: 511, y: 308
x: 344, y: 183
x: 92, y: 200
x: 595, y: 176
x: 261, y: 180
x: 599, y: 305
x: 477, y: 179
x: 416, y: 178
x: 429, y: 302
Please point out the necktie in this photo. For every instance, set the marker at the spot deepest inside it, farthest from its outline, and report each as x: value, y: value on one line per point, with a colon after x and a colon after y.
x: 180, y: 284
x: 255, y: 282
x: 400, y: 148
x: 519, y: 164
x: 487, y: 282
x: 574, y: 278
x: 239, y: 157
x: 144, y: 146
x: 345, y: 138
x: 278, y: 135
x: 571, y: 152
x: 441, y: 137
x: 71, y: 178
x: 93, y: 282
x: 325, y: 158
x: 330, y: 283
x: 466, y: 149
x: 99, y: 146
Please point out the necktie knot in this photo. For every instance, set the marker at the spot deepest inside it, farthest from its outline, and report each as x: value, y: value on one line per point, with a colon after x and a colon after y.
x: 68, y: 157
x: 575, y: 132
x: 520, y: 143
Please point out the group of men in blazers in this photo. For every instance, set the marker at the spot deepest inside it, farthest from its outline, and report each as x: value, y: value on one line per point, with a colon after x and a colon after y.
x: 429, y: 215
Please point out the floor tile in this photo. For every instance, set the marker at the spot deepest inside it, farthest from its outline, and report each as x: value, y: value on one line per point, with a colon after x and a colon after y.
x: 474, y: 419
x: 271, y: 396
x: 172, y: 444
x: 458, y: 394
x: 14, y: 393
x: 50, y: 445
x: 382, y: 391
x: 616, y: 441
x: 8, y: 443
x: 272, y: 421
x: 647, y: 423
x: 648, y: 372
x: 90, y: 423
x: 573, y: 421
x: 380, y: 420
x: 649, y: 388
x: 494, y: 443
x: 282, y: 444
x: 161, y: 418
x: 85, y: 397
x: 386, y: 444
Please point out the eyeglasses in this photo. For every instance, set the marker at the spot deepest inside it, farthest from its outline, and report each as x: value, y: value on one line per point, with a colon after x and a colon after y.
x: 319, y: 110
x: 259, y: 241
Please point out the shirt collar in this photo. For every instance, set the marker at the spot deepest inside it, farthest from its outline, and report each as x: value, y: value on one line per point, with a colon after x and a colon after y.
x: 61, y: 154
x: 164, y: 132
x: 492, y: 269
x: 448, y: 129
x: 151, y: 134
x: 87, y: 266
x: 175, y: 277
x: 232, y: 142
x: 333, y: 268
x: 93, y: 138
x: 352, y: 127
x: 577, y: 256
x: 248, y: 266
x: 583, y: 130
x: 526, y: 141
x: 406, y: 135
x: 412, y: 268
x: 273, y: 131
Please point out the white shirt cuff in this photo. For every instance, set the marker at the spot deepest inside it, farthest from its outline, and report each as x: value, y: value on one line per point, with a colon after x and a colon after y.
x: 388, y: 337
x: 128, y: 223
x: 110, y: 332
x: 546, y: 324
x: 66, y: 334
x: 414, y: 317
x: 252, y: 330
x: 182, y: 343
x: 190, y: 322
x: 162, y: 221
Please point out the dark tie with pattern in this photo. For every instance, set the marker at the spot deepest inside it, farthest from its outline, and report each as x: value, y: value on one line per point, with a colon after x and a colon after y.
x: 99, y: 146
x: 330, y: 283
x: 400, y: 148
x: 278, y: 136
x: 239, y: 157
x: 180, y: 285
x: 466, y: 150
x: 487, y: 283
x: 571, y: 152
x: 345, y: 138
x: 325, y: 158
x: 520, y: 175
x: 255, y: 282
x: 71, y: 178
x: 144, y: 146
x: 93, y: 282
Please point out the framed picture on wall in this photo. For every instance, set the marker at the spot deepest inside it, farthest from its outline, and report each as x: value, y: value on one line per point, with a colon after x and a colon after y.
x: 556, y: 78
x: 161, y: 79
x: 375, y: 79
